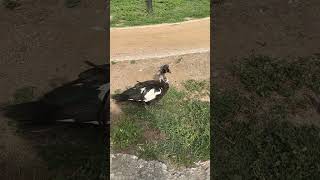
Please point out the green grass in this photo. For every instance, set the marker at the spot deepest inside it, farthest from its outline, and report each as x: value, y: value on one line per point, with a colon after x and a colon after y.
x: 180, y: 126
x: 126, y: 134
x: 265, y: 75
x: 133, y: 12
x: 254, y: 135
x: 197, y: 89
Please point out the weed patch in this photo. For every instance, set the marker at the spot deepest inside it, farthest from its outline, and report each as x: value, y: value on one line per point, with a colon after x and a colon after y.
x: 264, y: 75
x: 127, y: 133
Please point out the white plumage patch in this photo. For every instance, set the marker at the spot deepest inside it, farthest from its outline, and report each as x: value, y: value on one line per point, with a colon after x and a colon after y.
x: 152, y: 94
x: 142, y: 90
x: 133, y: 100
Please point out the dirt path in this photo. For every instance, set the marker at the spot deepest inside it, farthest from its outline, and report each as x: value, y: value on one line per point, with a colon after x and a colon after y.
x: 160, y: 40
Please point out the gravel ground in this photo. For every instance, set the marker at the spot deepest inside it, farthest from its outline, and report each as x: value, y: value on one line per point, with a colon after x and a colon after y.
x: 124, y: 166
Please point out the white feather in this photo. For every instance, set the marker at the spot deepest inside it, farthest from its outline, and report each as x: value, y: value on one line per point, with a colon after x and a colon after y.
x: 142, y: 90
x: 152, y: 94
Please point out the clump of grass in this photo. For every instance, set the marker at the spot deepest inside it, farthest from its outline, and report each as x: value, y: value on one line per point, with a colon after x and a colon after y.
x: 148, y: 151
x: 72, y: 3
x: 264, y: 74
x: 184, y: 122
x: 24, y: 94
x: 179, y: 60
x: 11, y: 4
x: 117, y: 91
x: 197, y: 88
x: 133, y: 12
x: 264, y: 146
x: 132, y: 62
x: 113, y: 62
x: 126, y: 133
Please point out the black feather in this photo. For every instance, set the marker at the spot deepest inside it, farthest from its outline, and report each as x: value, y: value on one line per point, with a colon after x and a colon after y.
x: 138, y: 93
x: 135, y: 93
x: 120, y: 97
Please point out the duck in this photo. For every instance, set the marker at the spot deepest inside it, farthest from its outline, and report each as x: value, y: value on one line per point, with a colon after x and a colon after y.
x: 147, y: 92
x: 84, y: 100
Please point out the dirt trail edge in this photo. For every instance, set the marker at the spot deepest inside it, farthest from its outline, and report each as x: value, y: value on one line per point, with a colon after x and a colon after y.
x: 160, y: 40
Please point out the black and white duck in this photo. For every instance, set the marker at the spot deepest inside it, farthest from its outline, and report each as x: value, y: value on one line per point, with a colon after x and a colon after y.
x: 147, y: 92
x: 84, y: 100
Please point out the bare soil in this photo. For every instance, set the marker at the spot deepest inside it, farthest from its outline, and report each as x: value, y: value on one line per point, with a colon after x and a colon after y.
x: 160, y: 40
x: 276, y: 28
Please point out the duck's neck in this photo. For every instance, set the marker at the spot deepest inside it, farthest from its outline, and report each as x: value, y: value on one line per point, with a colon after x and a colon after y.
x: 163, y: 78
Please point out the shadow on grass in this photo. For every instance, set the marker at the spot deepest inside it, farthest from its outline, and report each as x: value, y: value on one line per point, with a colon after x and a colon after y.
x: 255, y: 136
x: 71, y: 151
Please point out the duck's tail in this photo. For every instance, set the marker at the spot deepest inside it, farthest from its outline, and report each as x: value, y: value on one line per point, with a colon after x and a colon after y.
x: 119, y: 97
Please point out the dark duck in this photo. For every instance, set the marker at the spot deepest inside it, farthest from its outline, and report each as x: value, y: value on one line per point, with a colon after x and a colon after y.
x: 84, y: 100
x: 147, y: 92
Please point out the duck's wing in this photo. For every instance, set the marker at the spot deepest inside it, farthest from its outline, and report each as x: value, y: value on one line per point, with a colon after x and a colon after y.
x: 133, y: 93
x: 138, y: 91
x: 150, y: 83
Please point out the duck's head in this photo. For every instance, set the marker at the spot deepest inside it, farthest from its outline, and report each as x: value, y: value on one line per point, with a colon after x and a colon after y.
x: 164, y: 69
